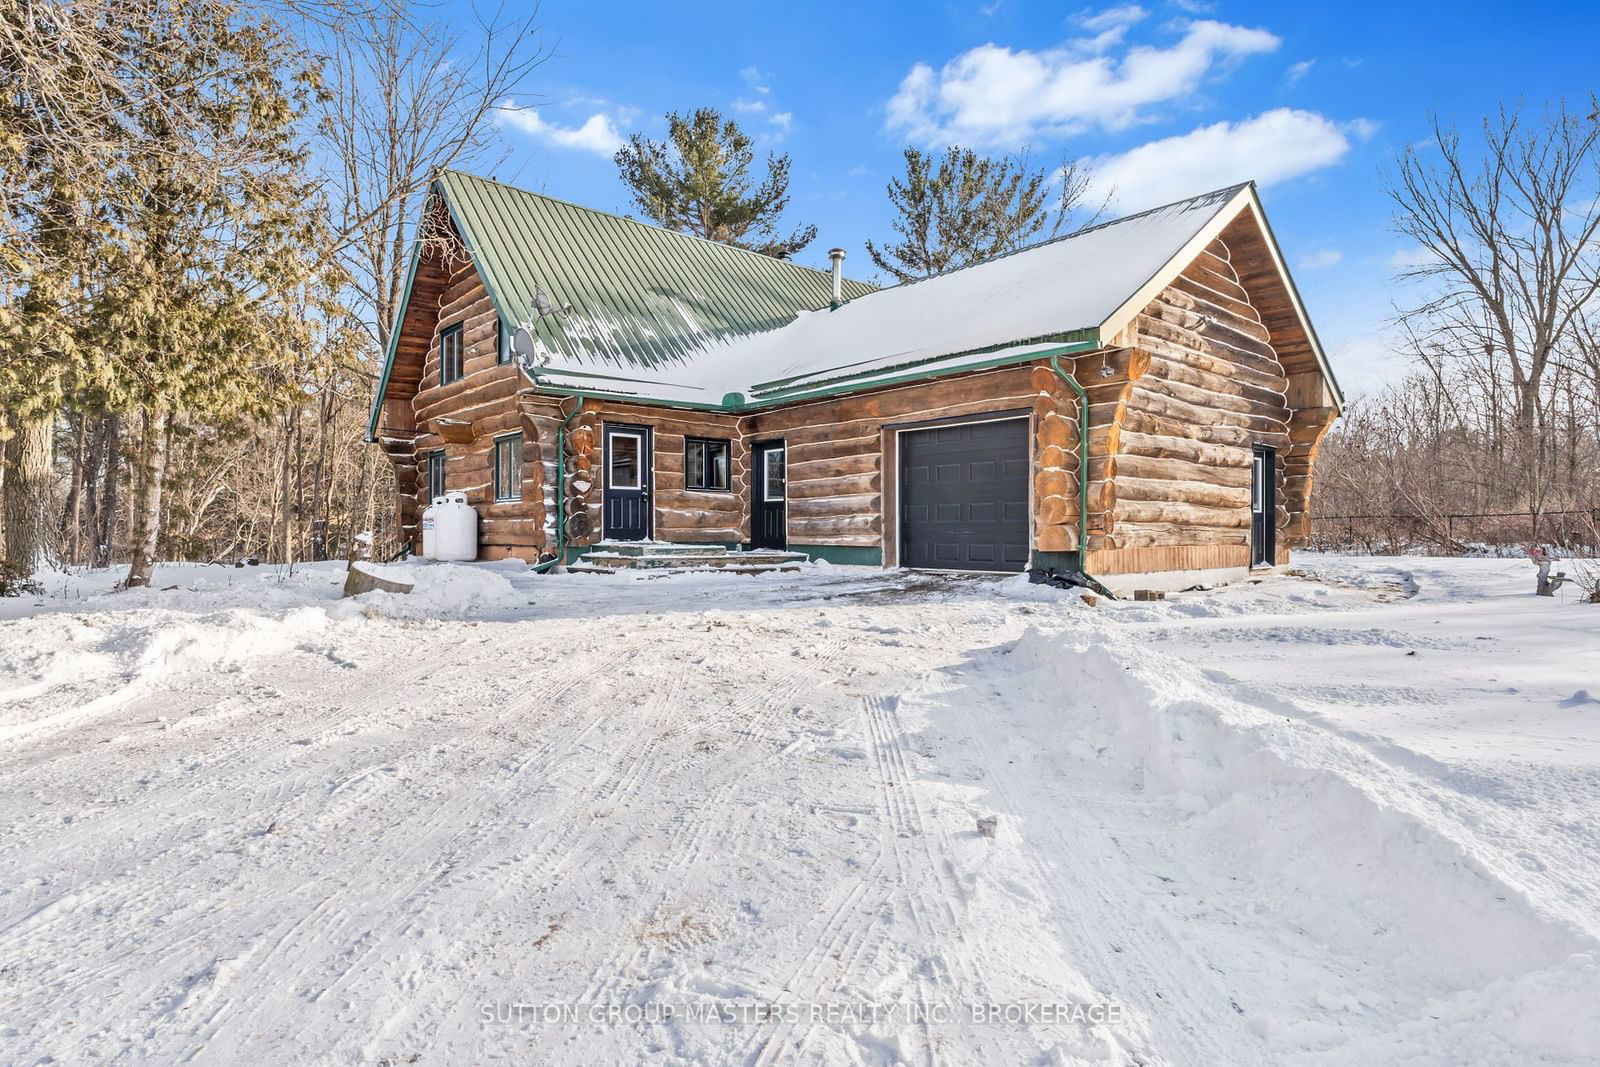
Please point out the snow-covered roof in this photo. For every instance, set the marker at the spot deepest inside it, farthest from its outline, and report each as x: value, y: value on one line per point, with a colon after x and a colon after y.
x: 1063, y: 292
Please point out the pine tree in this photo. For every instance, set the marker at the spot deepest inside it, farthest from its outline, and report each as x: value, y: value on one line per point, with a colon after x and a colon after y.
x: 698, y: 182
x: 216, y: 238
x: 962, y: 208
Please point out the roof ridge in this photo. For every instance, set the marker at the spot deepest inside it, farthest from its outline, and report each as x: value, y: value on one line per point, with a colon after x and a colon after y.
x: 1231, y: 191
x: 650, y: 225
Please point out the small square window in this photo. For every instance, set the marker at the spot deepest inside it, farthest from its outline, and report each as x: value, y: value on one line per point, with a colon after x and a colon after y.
x: 705, y: 464
x: 450, y: 354
x: 508, y: 468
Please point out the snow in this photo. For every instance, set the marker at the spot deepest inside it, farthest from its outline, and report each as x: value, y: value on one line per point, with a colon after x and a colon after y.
x: 1074, y: 283
x: 1347, y: 815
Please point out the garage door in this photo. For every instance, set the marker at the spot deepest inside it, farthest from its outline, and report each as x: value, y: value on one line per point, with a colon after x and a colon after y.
x: 964, y: 496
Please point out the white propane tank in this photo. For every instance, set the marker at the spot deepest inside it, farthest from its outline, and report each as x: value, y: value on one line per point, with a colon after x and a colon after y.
x: 450, y: 528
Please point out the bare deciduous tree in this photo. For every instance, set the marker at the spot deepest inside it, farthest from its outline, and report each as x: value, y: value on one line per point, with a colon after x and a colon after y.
x: 1510, y: 229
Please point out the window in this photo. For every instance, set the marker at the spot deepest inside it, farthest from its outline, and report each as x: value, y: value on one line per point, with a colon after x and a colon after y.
x: 772, y: 475
x: 625, y: 450
x: 705, y: 463
x: 435, y: 475
x: 508, y: 467
x: 502, y: 342
x: 450, y: 354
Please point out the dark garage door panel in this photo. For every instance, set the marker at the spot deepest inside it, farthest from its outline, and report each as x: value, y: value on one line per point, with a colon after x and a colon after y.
x: 964, y: 496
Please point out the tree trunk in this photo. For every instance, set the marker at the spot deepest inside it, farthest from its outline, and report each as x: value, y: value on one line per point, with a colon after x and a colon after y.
x: 106, y: 512
x: 71, y: 523
x: 26, y: 490
x: 150, y: 475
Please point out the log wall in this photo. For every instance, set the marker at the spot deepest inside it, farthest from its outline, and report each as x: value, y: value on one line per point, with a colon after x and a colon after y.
x: 842, y: 459
x: 1174, y: 411
x: 481, y: 404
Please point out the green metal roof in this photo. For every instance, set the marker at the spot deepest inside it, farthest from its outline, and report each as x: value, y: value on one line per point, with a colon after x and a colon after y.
x: 641, y: 296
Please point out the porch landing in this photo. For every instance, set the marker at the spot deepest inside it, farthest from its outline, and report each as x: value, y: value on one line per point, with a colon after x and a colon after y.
x: 661, y: 557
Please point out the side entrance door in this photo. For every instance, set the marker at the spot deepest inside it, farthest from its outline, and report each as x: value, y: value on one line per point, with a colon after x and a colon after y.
x: 626, y: 498
x: 769, y: 519
x: 1263, y: 507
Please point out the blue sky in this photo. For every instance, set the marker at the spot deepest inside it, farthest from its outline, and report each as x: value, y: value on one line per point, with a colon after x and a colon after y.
x: 1163, y: 99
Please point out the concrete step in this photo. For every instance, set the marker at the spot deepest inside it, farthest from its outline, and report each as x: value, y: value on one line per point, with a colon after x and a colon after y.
x: 606, y: 559
x: 658, y: 548
x: 720, y: 559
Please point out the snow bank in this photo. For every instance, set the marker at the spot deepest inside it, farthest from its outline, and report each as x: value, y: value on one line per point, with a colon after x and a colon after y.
x: 1334, y: 842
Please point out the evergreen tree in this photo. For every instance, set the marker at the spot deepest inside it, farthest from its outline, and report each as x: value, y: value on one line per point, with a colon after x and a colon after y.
x: 698, y: 182
x: 216, y: 237
x: 962, y: 208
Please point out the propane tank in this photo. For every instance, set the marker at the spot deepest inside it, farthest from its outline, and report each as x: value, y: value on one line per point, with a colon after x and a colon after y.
x: 450, y: 528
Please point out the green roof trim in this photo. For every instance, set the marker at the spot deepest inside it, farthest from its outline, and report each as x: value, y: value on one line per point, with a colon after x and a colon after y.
x: 394, y: 343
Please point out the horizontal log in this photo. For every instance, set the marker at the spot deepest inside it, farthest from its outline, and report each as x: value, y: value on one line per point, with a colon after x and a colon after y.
x: 842, y: 485
x: 1147, y: 422
x: 1191, y: 492
x: 821, y: 530
x: 1233, y: 383
x: 449, y: 400
x: 702, y: 534
x: 843, y: 466
x: 831, y: 506
x: 1181, y: 514
x: 1138, y: 534
x: 1165, y: 447
x: 1157, y: 396
x: 699, y: 500
x: 1140, y: 466
x: 833, y: 448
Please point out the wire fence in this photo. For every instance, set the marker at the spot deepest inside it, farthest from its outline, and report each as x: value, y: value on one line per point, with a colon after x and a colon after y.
x: 1478, y: 533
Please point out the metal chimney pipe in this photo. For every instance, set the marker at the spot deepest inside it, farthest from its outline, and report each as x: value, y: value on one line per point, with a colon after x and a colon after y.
x: 837, y: 255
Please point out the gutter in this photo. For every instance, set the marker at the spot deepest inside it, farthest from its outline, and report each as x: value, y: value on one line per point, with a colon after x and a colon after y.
x: 561, y: 489
x: 1083, y: 478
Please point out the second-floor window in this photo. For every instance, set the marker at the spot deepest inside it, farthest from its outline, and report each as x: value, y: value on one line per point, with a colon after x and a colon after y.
x: 502, y: 342
x: 450, y: 355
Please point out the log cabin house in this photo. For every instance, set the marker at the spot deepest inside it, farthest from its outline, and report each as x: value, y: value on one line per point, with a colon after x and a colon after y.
x: 1140, y: 401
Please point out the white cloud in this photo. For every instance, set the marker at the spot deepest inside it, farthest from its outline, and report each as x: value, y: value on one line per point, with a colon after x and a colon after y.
x: 1320, y: 259
x: 1272, y: 147
x: 755, y: 79
x: 1410, y: 258
x: 1112, y: 18
x: 783, y: 120
x: 1300, y: 70
x: 994, y: 95
x: 597, y: 134
x: 749, y: 105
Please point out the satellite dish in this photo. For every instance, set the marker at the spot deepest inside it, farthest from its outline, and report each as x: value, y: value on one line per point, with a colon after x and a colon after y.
x: 522, y: 344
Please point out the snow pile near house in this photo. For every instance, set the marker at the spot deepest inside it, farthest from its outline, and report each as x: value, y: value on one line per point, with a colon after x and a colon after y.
x: 88, y: 636
x: 446, y: 590
x: 1445, y: 957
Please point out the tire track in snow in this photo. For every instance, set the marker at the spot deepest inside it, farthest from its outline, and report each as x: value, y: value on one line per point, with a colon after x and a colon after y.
x: 688, y: 840
x: 1106, y: 935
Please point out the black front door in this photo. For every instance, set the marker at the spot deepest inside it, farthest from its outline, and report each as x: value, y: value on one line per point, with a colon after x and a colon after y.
x: 1263, y: 507
x: 768, y: 494
x: 627, y: 482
